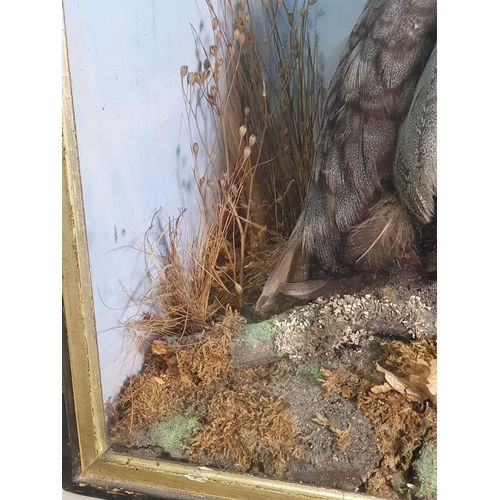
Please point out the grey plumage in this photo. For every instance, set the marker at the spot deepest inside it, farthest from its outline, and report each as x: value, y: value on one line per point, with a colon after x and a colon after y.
x: 367, y: 188
x: 416, y: 157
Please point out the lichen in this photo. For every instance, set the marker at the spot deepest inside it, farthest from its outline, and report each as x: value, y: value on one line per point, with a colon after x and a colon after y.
x: 349, y: 319
x: 256, y: 333
x: 172, y: 434
x: 426, y: 471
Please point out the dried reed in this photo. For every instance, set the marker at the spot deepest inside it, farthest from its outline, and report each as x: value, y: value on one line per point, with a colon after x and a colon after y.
x: 258, y: 85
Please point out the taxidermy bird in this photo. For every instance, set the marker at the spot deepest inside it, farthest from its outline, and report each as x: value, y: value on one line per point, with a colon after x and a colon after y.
x: 373, y: 189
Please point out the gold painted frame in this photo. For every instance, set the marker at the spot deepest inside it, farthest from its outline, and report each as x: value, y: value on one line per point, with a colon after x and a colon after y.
x: 88, y: 466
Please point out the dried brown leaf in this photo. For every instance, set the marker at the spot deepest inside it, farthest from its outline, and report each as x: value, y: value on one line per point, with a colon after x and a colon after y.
x: 432, y: 378
x: 413, y: 393
x: 403, y: 386
x: 380, y: 389
x: 395, y: 382
x: 420, y: 368
x: 427, y: 385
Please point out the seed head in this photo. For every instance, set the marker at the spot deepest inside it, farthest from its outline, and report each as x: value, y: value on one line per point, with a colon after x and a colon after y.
x: 215, y: 23
x: 252, y: 140
x: 247, y: 111
x: 191, y: 78
x: 243, y: 130
x: 246, y: 152
x: 184, y: 70
x: 196, y: 149
x: 214, y: 50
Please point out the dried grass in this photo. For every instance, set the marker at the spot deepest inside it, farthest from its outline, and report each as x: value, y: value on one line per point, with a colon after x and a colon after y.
x: 178, y: 301
x: 264, y: 103
x: 260, y: 91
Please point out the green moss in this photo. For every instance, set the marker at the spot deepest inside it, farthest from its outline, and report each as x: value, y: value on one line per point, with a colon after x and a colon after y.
x: 172, y: 434
x: 426, y: 471
x: 311, y: 372
x: 257, y: 333
x: 314, y: 370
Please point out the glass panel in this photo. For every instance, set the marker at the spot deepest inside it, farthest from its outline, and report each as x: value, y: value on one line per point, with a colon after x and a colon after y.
x: 198, y: 126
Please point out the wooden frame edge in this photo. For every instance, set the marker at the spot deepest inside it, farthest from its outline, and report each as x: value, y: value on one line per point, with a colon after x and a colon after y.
x: 77, y: 290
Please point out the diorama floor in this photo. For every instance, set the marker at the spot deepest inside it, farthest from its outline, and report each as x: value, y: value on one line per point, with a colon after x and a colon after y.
x: 327, y: 400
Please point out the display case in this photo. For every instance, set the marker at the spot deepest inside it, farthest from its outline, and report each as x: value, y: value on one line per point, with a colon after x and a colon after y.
x: 149, y: 113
